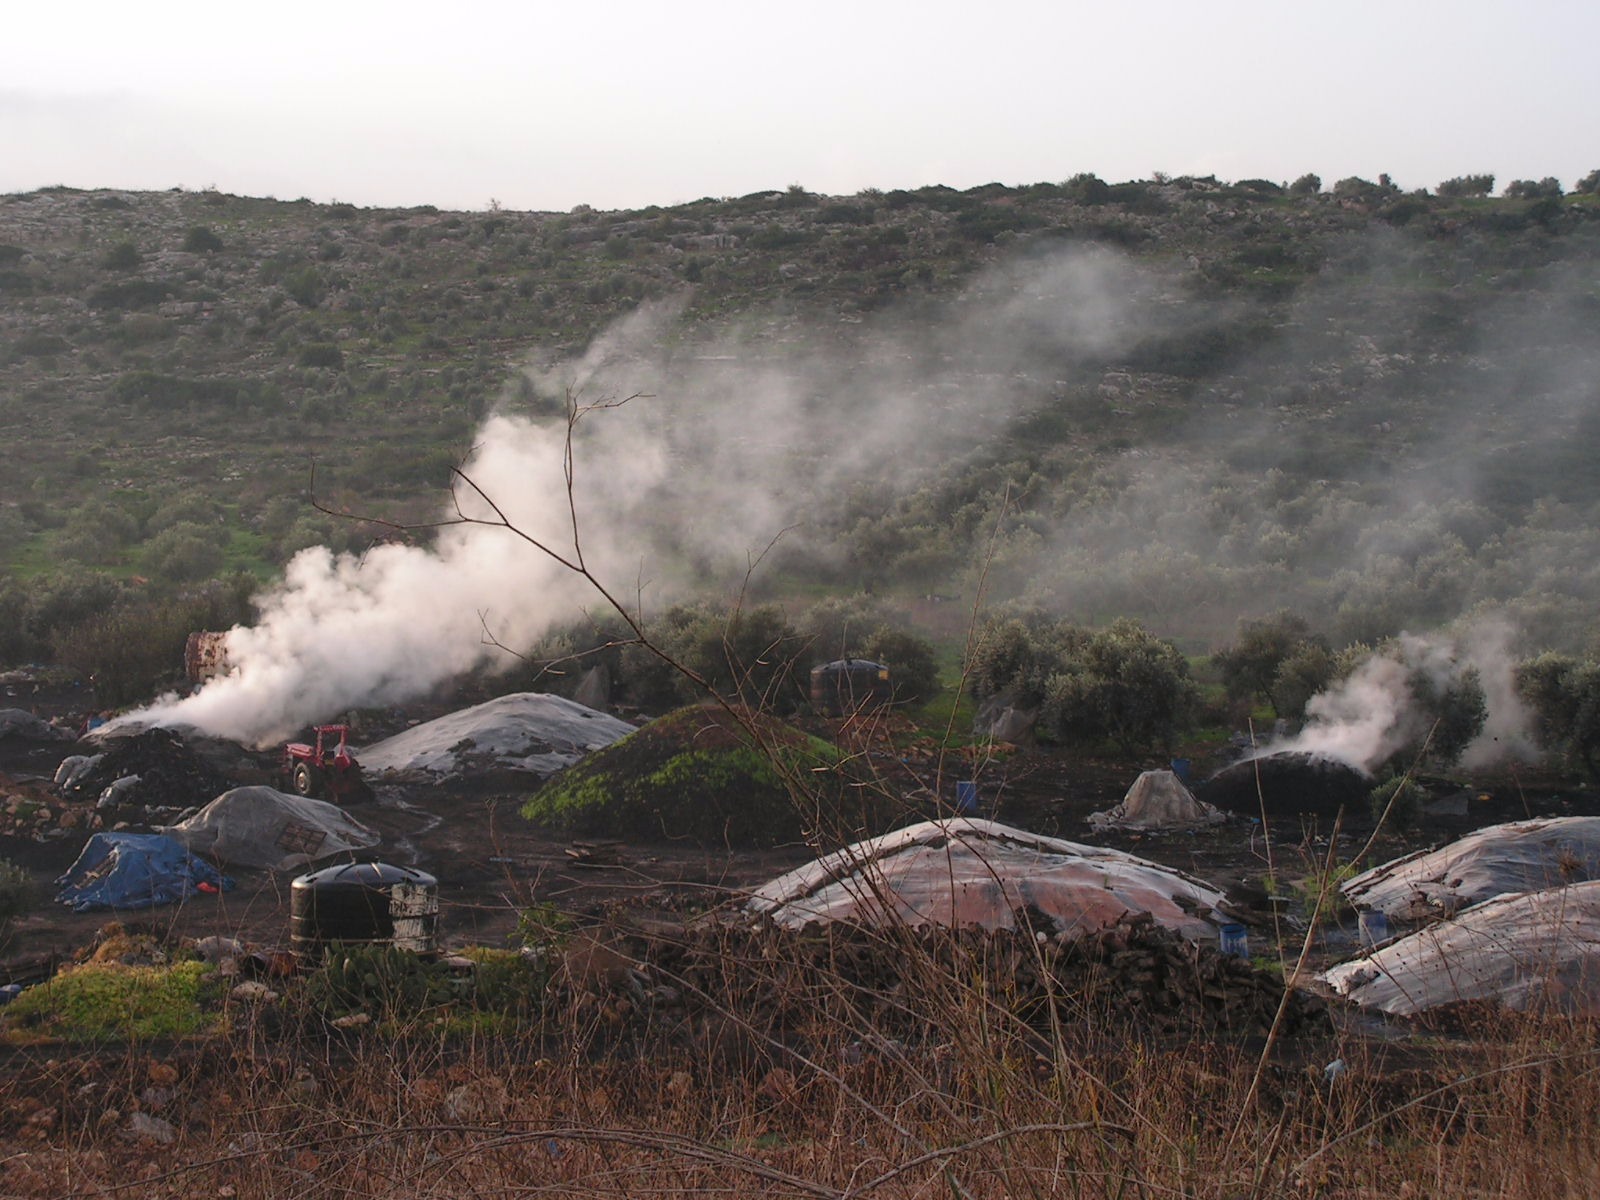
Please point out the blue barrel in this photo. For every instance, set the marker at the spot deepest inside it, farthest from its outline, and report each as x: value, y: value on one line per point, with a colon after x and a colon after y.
x: 1373, y: 927
x: 1180, y: 768
x: 966, y: 797
x: 1234, y: 941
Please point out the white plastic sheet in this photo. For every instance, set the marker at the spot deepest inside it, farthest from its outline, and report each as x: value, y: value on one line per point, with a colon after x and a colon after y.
x: 1519, y: 950
x: 965, y: 871
x: 263, y: 827
x: 1520, y: 856
x: 1158, y: 800
x: 529, y: 732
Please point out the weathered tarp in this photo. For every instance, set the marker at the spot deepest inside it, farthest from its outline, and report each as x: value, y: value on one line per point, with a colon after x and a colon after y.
x: 1158, y: 800
x: 528, y: 733
x: 1520, y: 950
x: 135, y: 870
x: 964, y: 871
x: 19, y: 723
x: 263, y: 827
x: 1521, y: 856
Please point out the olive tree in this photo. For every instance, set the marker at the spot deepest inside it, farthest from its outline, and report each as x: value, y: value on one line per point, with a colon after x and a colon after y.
x: 1254, y: 666
x: 1125, y: 686
x: 1121, y: 684
x: 1563, y: 693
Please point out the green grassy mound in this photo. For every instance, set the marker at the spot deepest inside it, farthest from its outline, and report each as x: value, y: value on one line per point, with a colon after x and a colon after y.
x: 699, y: 775
x: 108, y: 1001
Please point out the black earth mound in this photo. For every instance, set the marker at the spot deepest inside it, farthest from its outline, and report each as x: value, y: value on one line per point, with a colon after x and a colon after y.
x: 1289, y: 784
x: 170, y: 774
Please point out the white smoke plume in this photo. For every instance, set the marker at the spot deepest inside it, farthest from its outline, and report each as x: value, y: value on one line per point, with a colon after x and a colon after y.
x: 816, y: 431
x: 343, y: 630
x: 1373, y: 713
x: 735, y: 435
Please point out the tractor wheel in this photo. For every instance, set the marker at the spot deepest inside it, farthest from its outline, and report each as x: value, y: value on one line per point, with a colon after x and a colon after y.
x: 305, y: 779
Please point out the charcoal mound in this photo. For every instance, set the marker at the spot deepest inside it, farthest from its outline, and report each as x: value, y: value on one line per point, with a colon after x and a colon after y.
x: 170, y: 774
x: 1288, y: 784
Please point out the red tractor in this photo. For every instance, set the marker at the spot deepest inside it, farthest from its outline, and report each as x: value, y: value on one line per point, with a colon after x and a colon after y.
x: 325, y: 769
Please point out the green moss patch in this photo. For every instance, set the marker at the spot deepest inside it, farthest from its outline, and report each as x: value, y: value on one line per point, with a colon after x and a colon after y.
x: 701, y: 775
x: 112, y: 1002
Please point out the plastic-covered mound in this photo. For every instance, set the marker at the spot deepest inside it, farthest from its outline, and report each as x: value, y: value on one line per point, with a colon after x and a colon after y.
x: 527, y: 733
x: 1521, y: 856
x: 19, y: 723
x: 169, y: 773
x: 1287, y: 784
x: 135, y: 870
x: 1158, y: 800
x: 963, y: 872
x: 700, y: 774
x: 1522, y: 951
x: 263, y: 827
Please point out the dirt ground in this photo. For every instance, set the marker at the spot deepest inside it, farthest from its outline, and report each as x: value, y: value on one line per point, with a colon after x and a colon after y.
x: 491, y: 863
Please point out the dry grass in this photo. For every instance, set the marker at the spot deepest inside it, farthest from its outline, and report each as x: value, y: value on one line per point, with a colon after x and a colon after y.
x: 733, y: 1090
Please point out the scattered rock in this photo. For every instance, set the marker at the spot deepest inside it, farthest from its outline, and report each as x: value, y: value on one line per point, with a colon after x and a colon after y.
x: 144, y: 1127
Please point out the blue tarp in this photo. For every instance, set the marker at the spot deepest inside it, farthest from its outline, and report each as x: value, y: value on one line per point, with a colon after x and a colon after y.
x: 135, y: 870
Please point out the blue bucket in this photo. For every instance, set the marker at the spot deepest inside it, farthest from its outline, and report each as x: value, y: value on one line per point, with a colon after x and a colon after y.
x: 966, y: 797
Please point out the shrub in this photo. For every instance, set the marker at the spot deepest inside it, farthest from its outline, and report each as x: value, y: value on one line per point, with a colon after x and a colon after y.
x: 305, y: 286
x: 124, y: 256
x: 382, y: 981
x: 39, y: 345
x: 1252, y: 667
x: 1125, y: 686
x: 130, y: 293
x: 184, y: 553
x: 201, y: 240
x: 1563, y: 694
x: 698, y: 774
x: 1307, y: 185
x: 17, y: 895
x: 322, y: 354
x: 1087, y: 188
x: 1547, y: 188
x: 913, y: 665
x: 152, y: 389
x: 1398, y: 801
x: 1466, y: 185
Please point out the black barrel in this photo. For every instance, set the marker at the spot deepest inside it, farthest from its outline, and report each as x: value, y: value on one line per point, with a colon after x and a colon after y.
x: 369, y: 903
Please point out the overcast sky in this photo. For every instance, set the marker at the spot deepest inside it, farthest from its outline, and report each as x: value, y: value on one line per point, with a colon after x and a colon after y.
x: 543, y: 106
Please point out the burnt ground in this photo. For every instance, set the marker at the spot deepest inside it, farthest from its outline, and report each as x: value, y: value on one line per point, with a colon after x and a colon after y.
x: 491, y: 863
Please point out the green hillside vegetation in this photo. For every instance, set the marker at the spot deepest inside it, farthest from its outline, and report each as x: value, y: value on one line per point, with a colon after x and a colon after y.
x: 1185, y: 402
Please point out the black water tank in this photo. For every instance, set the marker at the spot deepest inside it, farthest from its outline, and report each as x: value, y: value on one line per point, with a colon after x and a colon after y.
x: 843, y: 687
x: 369, y: 903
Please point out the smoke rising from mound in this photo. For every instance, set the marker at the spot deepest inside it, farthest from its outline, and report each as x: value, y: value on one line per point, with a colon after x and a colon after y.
x: 670, y: 490
x: 879, y: 444
x: 1374, y: 713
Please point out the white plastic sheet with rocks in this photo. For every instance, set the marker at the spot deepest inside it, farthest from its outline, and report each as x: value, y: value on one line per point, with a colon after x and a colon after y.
x: 263, y: 827
x: 1158, y: 800
x: 965, y: 872
x: 1520, y: 950
x: 527, y: 733
x: 1521, y: 856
